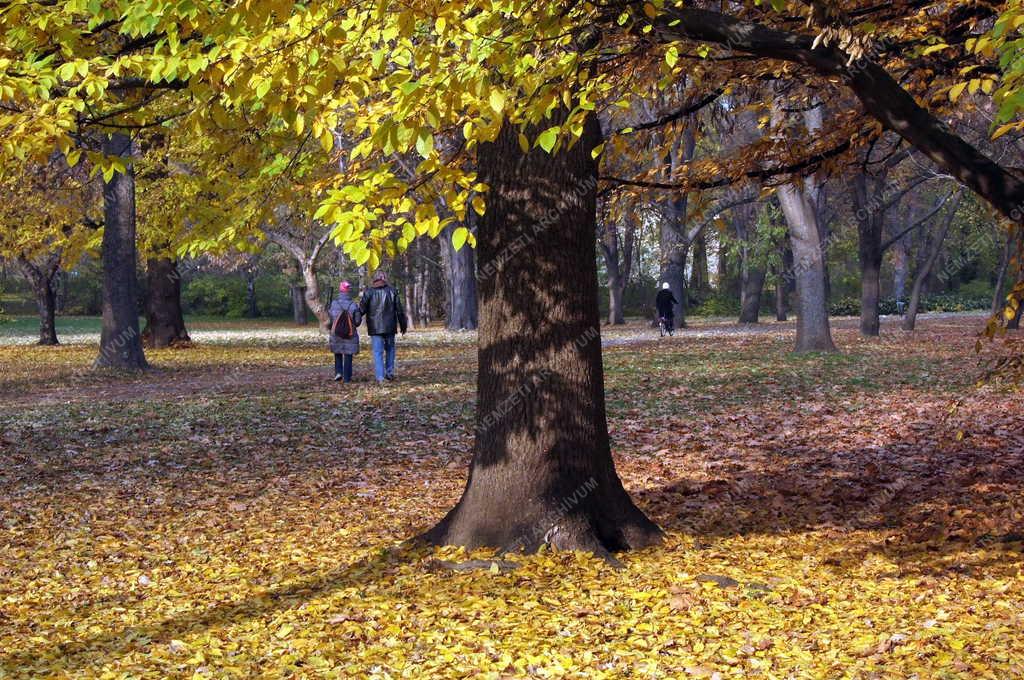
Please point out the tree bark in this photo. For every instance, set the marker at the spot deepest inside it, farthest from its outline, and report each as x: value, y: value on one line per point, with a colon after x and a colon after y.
x: 910, y: 320
x: 311, y: 292
x: 542, y: 471
x: 165, y: 321
x: 460, y: 266
x: 120, y: 340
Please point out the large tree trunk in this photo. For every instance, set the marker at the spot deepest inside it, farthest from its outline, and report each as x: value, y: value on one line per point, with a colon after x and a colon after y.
x: 910, y: 320
x: 542, y: 470
x: 750, y: 295
x: 120, y: 340
x: 461, y: 283
x: 42, y: 275
x: 165, y: 321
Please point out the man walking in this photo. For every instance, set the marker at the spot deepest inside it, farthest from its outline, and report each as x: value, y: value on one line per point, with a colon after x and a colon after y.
x: 384, y: 317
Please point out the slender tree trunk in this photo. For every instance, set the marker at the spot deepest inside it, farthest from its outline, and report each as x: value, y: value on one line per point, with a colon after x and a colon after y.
x: 299, y: 315
x: 165, y: 321
x: 542, y: 471
x: 699, y: 277
x: 752, y: 272
x: 42, y: 276
x: 120, y: 340
x: 998, y: 298
x: 250, y: 293
x: 910, y: 321
x: 610, y: 250
x: 780, y: 300
x: 460, y: 273
x: 870, y: 225
x: 900, y: 268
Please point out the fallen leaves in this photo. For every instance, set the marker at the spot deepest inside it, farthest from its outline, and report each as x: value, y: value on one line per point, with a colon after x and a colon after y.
x: 175, y: 527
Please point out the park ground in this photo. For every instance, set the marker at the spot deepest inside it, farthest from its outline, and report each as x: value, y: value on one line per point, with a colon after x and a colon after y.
x: 235, y: 513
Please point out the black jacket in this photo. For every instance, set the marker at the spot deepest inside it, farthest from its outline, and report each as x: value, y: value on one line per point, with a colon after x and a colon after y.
x: 383, y: 310
x: 665, y: 303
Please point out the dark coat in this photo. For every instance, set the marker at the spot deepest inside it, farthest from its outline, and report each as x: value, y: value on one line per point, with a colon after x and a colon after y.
x: 665, y: 302
x: 383, y: 310
x: 341, y: 304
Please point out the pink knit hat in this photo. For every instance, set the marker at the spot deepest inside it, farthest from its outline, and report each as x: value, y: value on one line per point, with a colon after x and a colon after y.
x: 344, y: 286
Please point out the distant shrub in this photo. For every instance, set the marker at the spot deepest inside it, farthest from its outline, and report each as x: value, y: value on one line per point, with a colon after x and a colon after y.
x: 225, y: 295
x: 717, y: 306
x: 945, y: 302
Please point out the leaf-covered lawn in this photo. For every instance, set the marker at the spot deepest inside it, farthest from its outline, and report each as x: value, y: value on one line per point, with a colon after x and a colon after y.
x: 236, y: 514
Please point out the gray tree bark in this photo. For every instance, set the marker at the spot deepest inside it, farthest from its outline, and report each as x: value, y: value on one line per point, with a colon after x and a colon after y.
x: 120, y: 340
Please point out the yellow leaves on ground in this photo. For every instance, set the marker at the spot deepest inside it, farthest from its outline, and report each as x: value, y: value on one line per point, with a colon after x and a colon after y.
x: 235, y: 513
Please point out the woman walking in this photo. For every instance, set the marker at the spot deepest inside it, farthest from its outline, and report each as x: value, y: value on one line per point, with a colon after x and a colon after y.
x: 344, y: 339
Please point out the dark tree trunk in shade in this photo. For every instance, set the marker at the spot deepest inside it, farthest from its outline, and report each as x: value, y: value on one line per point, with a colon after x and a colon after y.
x: 165, y: 321
x: 924, y: 271
x: 460, y: 268
x: 700, y: 280
x: 120, y: 340
x: 542, y: 471
x: 870, y: 214
x: 750, y: 295
x: 250, y: 293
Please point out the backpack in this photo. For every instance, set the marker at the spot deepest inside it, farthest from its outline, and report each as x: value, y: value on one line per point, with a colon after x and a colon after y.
x: 343, y: 327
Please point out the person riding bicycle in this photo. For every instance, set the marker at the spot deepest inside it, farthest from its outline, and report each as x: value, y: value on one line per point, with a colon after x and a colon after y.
x: 666, y: 302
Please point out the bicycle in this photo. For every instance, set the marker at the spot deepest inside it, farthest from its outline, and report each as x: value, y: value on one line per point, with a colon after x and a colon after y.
x: 665, y: 326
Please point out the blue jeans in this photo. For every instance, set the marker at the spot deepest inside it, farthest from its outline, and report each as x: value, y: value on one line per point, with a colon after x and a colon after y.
x: 383, y: 356
x: 343, y: 366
